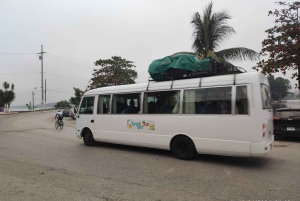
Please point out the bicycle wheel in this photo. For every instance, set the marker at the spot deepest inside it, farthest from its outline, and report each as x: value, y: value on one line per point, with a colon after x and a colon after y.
x: 61, y: 125
x: 56, y: 125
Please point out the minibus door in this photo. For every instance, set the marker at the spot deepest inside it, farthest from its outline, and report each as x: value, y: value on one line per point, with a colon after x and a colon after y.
x: 85, y: 115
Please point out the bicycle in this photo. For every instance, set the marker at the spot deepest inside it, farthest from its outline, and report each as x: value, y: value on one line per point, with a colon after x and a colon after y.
x: 59, y: 124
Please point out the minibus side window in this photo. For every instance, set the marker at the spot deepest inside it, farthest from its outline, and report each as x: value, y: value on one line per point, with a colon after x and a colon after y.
x: 241, y: 101
x: 207, y: 101
x: 87, y: 105
x: 162, y: 102
x: 126, y: 103
x: 103, y: 104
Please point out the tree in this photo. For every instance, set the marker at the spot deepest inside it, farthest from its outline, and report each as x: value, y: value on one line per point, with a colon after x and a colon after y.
x: 279, y: 87
x: 283, y: 43
x: 8, y: 95
x: 62, y: 104
x: 29, y: 107
x: 114, y: 71
x: 210, y: 30
x: 76, y: 100
x: 1, y: 98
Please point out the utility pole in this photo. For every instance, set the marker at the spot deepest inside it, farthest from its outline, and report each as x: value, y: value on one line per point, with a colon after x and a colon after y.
x: 45, y: 92
x: 33, y: 99
x: 42, y: 73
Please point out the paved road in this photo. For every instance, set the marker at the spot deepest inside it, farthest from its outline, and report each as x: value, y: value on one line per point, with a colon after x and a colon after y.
x: 38, y: 162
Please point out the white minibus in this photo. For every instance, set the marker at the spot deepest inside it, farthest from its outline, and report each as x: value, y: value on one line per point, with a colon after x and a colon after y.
x: 222, y: 115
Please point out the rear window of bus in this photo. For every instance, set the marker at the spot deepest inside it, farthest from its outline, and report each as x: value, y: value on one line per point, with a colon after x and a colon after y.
x: 266, y: 97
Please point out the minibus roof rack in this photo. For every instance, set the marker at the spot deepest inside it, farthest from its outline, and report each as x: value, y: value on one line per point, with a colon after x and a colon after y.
x: 170, y: 77
x: 215, y: 69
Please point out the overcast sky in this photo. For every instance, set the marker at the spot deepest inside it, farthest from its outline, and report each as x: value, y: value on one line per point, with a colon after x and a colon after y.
x: 76, y: 33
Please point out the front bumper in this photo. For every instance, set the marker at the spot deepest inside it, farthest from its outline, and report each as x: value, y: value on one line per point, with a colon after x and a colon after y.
x: 78, y: 133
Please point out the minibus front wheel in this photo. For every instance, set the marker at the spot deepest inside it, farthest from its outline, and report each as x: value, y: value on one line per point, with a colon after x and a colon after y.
x: 88, y: 138
x: 183, y: 148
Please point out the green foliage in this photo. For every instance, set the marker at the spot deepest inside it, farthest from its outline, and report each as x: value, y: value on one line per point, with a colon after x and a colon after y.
x: 1, y: 98
x: 279, y: 87
x: 210, y: 30
x: 76, y: 100
x: 114, y: 71
x: 5, y: 85
x: 29, y: 107
x: 62, y: 104
x: 7, y: 96
x: 283, y: 43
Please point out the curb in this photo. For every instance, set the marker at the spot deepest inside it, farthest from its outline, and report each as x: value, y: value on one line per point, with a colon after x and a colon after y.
x: 2, y: 113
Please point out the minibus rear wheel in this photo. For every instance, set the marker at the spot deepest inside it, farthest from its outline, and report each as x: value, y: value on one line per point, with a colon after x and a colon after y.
x: 88, y: 138
x: 183, y: 148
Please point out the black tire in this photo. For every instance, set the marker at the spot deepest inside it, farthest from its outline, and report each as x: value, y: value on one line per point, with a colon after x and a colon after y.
x: 88, y: 138
x: 61, y: 125
x: 56, y: 125
x: 183, y: 148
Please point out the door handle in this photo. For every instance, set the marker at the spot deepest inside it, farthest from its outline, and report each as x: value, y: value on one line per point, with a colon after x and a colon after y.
x: 92, y: 121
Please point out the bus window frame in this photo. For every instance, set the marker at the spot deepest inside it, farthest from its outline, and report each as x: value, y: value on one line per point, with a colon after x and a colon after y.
x: 115, y: 94
x: 261, y: 98
x: 95, y: 103
x: 98, y: 97
x: 218, y: 86
x: 248, y: 99
x: 181, y: 93
x: 153, y: 91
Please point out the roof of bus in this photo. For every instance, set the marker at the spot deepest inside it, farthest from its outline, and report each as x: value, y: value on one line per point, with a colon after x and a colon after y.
x: 221, y: 80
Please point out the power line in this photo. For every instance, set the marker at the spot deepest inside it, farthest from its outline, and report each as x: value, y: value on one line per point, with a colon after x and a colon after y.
x: 69, y: 55
x: 19, y: 45
x: 23, y: 92
x: 66, y: 76
x: 15, y: 53
x: 69, y: 61
x: 45, y: 73
x: 59, y: 91
x: 23, y: 95
x: 19, y: 73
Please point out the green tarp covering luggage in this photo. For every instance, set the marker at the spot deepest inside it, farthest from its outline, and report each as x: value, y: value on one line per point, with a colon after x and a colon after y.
x: 180, y: 63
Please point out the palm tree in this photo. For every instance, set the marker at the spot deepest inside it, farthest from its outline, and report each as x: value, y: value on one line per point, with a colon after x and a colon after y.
x: 210, y: 30
x: 8, y: 95
x: 5, y: 85
x: 1, y: 98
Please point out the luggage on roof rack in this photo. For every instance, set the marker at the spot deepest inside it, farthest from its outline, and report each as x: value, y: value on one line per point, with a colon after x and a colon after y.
x: 182, y: 66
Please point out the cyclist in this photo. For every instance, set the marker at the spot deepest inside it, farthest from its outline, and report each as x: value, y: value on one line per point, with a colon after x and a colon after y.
x: 59, y: 116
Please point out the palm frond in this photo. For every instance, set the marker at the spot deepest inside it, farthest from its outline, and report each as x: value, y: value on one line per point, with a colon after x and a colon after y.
x: 237, y: 54
x: 210, y: 30
x: 226, y: 63
x: 5, y: 85
x: 214, y: 56
x: 177, y: 53
x: 219, y: 60
x: 198, y: 33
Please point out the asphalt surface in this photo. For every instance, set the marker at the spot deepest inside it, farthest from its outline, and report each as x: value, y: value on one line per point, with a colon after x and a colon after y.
x: 39, y: 162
